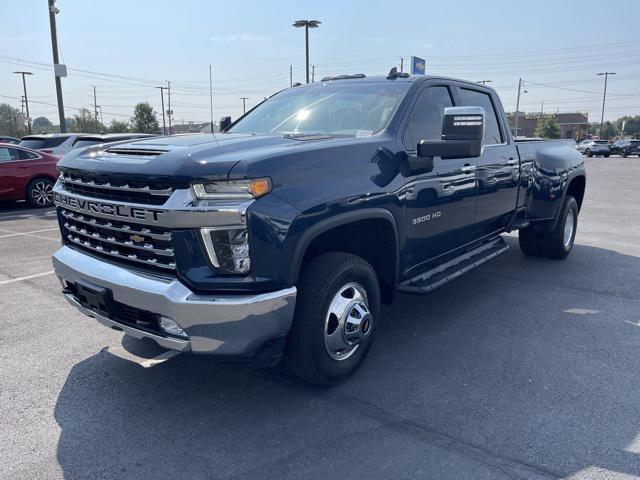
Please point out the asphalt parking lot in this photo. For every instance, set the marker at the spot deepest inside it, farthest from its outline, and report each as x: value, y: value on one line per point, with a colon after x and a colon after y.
x: 524, y: 368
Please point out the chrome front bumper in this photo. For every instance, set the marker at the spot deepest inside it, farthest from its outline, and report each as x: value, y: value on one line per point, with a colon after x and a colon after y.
x: 221, y: 325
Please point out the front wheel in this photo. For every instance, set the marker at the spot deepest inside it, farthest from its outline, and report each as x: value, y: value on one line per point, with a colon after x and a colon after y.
x: 559, y: 242
x: 624, y: 154
x: 336, y: 312
x: 588, y: 153
x: 606, y: 155
x: 40, y: 192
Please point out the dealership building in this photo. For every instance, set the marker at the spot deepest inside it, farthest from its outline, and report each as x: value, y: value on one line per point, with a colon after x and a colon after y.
x: 572, y: 125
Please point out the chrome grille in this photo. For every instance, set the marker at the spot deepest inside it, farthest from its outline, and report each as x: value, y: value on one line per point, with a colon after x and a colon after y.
x: 150, y: 247
x: 104, y: 187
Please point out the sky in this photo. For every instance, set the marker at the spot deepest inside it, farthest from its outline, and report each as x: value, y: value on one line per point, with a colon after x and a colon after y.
x: 127, y: 48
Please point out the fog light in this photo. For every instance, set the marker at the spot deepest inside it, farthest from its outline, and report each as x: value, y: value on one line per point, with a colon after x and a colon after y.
x: 169, y: 326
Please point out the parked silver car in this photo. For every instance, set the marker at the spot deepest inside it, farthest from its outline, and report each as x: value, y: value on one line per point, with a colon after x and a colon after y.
x: 594, y: 147
x: 57, y: 144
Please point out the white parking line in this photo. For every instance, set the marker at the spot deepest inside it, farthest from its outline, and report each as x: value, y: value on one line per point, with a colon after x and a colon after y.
x: 28, y: 277
x: 121, y: 352
x: 636, y: 324
x: 582, y: 311
x: 17, y: 234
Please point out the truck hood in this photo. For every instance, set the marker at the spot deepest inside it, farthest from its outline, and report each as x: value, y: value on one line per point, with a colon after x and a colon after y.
x: 184, y: 157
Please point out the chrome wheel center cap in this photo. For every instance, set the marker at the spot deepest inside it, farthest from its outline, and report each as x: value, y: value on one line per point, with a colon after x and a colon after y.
x: 348, y: 321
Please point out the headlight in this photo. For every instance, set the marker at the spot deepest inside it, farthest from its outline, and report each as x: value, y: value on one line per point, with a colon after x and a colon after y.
x: 233, y: 189
x: 227, y: 248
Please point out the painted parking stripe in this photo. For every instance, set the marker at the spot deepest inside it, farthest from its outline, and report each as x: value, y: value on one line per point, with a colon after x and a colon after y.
x: 28, y: 277
x: 17, y: 234
x: 582, y: 311
x: 121, y: 352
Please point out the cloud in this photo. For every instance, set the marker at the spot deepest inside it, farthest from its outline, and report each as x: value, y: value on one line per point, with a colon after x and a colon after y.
x: 241, y: 37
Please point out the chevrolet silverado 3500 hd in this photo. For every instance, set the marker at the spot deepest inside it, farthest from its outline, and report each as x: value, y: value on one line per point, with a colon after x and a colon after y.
x: 281, y: 236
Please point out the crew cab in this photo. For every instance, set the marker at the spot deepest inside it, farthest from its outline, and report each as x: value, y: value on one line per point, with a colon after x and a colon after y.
x: 282, y: 236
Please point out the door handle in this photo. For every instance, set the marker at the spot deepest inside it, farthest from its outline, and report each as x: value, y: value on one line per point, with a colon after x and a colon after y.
x: 467, y: 168
x: 512, y: 161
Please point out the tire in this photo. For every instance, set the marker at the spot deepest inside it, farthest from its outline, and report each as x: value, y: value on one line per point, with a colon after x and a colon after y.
x: 530, y: 241
x: 624, y: 154
x: 39, y: 192
x: 559, y: 242
x: 588, y: 153
x: 310, y: 351
x: 606, y: 155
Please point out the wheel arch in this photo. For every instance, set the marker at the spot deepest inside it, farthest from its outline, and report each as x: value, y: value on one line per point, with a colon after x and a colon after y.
x: 345, y: 232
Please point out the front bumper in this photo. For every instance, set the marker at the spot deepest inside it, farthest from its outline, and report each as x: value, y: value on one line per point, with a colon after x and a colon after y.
x: 227, y: 326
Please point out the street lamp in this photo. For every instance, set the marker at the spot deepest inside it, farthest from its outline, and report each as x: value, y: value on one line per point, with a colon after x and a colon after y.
x: 604, y: 97
x: 26, y: 101
x: 307, y: 24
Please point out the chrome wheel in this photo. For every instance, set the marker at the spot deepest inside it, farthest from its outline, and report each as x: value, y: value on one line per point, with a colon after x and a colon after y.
x: 348, y: 321
x: 569, y: 226
x: 42, y: 193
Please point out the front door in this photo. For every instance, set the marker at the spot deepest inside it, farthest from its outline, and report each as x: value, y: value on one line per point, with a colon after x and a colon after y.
x: 440, y: 204
x: 498, y: 166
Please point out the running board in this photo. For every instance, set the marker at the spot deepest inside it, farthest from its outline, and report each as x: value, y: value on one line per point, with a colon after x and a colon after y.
x: 444, y: 273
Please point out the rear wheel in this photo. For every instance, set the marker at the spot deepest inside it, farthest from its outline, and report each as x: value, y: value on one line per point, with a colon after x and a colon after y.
x: 336, y: 311
x: 588, y: 153
x: 40, y: 192
x: 624, y: 154
x: 606, y: 155
x: 559, y: 242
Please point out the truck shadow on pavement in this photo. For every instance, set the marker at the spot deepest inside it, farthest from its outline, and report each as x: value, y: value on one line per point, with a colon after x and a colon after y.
x: 525, y: 368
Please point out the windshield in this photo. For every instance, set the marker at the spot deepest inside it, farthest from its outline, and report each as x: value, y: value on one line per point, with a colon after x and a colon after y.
x: 37, y: 143
x: 336, y: 109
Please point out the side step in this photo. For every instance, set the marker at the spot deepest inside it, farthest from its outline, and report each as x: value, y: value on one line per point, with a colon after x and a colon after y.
x: 444, y: 273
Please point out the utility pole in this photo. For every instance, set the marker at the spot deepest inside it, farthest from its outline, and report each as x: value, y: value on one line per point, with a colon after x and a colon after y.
x: 291, y: 75
x: 211, y: 96
x: 95, y: 103
x: 401, y: 64
x: 542, y: 109
x: 313, y: 73
x: 169, y: 112
x: 518, y: 107
x: 604, y: 98
x: 164, y: 125
x: 22, y: 105
x: 53, y: 11
x: 26, y: 101
x: 101, y: 119
x: 244, y: 100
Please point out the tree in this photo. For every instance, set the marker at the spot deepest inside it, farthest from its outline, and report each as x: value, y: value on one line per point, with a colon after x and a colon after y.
x: 631, y: 126
x: 144, y: 119
x: 11, y: 121
x: 118, y: 126
x: 85, y: 122
x: 42, y: 125
x: 547, y: 127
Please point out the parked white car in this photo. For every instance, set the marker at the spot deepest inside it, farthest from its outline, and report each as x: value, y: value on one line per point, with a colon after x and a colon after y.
x: 594, y: 147
x: 57, y: 144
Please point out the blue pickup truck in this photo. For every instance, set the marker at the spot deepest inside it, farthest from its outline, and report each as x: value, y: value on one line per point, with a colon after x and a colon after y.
x: 280, y: 237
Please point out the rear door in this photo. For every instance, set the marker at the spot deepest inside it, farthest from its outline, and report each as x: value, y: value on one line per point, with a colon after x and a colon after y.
x: 498, y: 167
x: 440, y: 204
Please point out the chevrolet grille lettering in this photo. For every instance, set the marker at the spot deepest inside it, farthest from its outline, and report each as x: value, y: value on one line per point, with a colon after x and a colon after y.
x: 119, y: 211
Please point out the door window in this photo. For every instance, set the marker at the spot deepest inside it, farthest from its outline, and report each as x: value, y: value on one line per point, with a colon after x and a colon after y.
x: 474, y: 98
x: 8, y: 154
x: 425, y: 121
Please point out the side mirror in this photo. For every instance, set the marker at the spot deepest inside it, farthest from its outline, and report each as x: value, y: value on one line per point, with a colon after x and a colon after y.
x: 225, y: 122
x: 462, y: 133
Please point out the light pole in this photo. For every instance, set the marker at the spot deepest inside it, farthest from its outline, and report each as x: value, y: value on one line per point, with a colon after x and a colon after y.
x: 307, y: 24
x: 604, y: 98
x: 164, y: 124
x: 26, y: 101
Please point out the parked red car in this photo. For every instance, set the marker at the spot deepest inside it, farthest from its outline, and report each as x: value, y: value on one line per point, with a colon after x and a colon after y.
x: 27, y: 174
